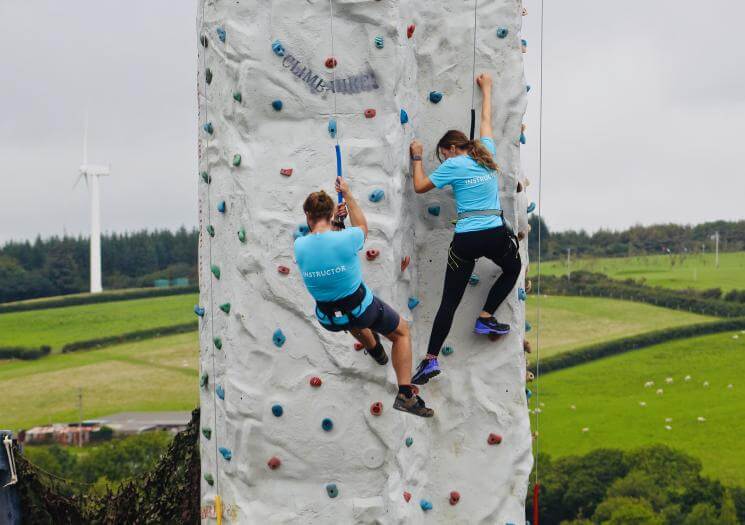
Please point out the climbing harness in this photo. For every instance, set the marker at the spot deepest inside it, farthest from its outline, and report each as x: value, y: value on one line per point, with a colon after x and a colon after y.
x: 344, y: 308
x: 338, y: 222
x: 473, y: 71
x: 11, y: 460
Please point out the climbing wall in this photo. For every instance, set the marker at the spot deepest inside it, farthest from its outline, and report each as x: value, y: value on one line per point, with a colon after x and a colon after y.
x: 290, y: 430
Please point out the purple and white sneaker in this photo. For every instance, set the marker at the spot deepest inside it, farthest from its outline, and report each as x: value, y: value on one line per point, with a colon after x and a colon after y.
x: 426, y: 370
x: 490, y: 326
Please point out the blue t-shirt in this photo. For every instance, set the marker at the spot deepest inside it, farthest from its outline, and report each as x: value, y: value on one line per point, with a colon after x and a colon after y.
x: 475, y: 188
x: 330, y: 265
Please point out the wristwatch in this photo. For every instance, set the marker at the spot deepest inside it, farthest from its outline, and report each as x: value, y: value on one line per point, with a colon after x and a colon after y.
x: 416, y: 157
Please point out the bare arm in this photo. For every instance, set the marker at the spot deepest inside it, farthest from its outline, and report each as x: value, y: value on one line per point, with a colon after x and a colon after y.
x: 356, y: 216
x: 422, y: 183
x: 485, y: 83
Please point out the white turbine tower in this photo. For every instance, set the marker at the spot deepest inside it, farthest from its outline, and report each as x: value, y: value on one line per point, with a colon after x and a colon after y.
x: 91, y: 173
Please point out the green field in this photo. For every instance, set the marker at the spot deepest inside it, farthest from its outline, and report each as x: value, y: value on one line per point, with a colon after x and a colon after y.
x: 571, y: 322
x: 671, y: 271
x: 58, y: 326
x: 157, y: 374
x: 607, y: 394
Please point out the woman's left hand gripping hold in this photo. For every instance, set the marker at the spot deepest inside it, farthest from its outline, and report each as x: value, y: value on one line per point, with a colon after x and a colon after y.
x: 422, y: 184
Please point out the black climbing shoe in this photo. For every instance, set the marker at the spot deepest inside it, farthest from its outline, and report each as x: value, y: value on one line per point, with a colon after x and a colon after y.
x: 489, y: 325
x: 413, y: 405
x: 378, y: 353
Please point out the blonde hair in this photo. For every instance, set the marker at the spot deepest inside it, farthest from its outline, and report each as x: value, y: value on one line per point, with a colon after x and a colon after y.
x: 474, y: 148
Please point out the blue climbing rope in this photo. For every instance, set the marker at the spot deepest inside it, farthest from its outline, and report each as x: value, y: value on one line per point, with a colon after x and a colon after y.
x: 340, y: 197
x: 338, y: 221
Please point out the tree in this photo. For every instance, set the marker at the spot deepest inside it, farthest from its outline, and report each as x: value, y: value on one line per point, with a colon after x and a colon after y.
x: 702, y: 514
x: 626, y: 511
x: 62, y: 271
x: 728, y: 514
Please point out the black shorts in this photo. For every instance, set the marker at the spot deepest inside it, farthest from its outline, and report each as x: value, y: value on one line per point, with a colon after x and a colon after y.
x: 378, y: 317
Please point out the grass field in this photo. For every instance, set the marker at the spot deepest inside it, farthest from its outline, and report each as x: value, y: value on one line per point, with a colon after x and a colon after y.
x: 607, y: 396
x: 59, y: 326
x: 571, y: 322
x: 672, y: 271
x: 152, y: 375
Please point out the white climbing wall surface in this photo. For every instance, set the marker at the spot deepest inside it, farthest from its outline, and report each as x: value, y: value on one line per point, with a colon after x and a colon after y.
x: 277, y: 444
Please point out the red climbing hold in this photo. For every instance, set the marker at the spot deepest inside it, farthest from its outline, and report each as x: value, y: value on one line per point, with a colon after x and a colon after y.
x: 370, y: 113
x: 287, y: 172
x: 273, y: 463
x: 358, y: 346
x: 331, y: 62
x: 315, y: 381
x: 407, y: 496
x: 405, y: 262
x: 454, y: 497
x: 284, y: 270
x: 372, y: 254
x: 494, y: 439
x: 376, y: 408
x: 410, y: 31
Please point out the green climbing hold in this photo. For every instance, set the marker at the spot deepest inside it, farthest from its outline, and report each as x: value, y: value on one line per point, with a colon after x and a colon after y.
x: 409, y: 441
x: 242, y: 235
x: 528, y: 326
x: 204, y: 41
x: 206, y: 177
x: 207, y: 432
x: 225, y: 308
x: 208, y: 76
x: 237, y: 96
x: 215, y: 270
x: 448, y: 350
x: 218, y: 343
x: 204, y: 380
x: 209, y: 479
x: 211, y: 230
x: 379, y: 42
x: 236, y: 160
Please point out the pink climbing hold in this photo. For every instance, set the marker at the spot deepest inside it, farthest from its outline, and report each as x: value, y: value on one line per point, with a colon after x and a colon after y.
x: 494, y: 439
x: 407, y: 496
x: 376, y: 408
x: 358, y: 346
x: 315, y: 381
x: 405, y: 262
x: 287, y: 172
x: 410, y: 31
x: 454, y: 497
x: 284, y: 270
x: 274, y: 463
x: 372, y: 254
x: 331, y: 62
x: 370, y: 113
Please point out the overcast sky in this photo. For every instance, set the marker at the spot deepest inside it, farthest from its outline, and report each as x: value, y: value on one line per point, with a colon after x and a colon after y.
x: 644, y: 112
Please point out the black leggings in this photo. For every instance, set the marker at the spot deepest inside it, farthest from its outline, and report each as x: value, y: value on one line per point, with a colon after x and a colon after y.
x: 498, y: 245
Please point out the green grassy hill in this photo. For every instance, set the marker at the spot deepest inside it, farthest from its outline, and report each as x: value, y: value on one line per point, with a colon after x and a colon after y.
x: 58, y: 326
x: 606, y: 397
x: 571, y: 322
x: 672, y: 271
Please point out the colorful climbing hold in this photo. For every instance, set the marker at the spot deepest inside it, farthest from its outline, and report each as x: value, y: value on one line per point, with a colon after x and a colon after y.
x: 379, y: 42
x: 287, y: 172
x: 315, y: 381
x: 494, y: 439
x: 211, y: 230
x: 237, y: 96
x: 425, y: 505
x: 284, y: 270
x: 502, y: 32
x: 330, y: 63
x: 221, y: 34
x: 528, y: 393
x: 410, y: 31
x: 409, y: 441
x: 203, y: 40
x: 376, y: 408
x: 448, y: 350
x: 454, y: 497
x: 277, y: 105
x: 209, y: 479
x: 332, y: 127
x: 531, y: 207
x: 405, y: 261
x: 209, y: 128
x: 221, y: 206
x: 358, y: 346
x: 377, y: 196
x: 278, y: 338
x: 327, y: 425
x: 277, y: 410
x: 474, y: 279
x: 521, y: 294
x: 278, y: 49
x: 526, y: 347
x: 199, y: 310
x: 274, y: 463
x: 215, y: 270
x: 527, y: 88
x: 413, y: 303
x: 434, y: 210
x: 524, y: 44
x: 206, y: 177
x: 372, y: 254
x: 242, y: 235
x: 523, y: 138
x: 404, y: 116
x: 435, y: 97
x: 204, y: 380
x: 528, y: 326
x: 236, y: 160
x: 528, y: 285
x: 407, y: 496
x: 332, y: 490
x: 220, y: 391
x: 225, y: 307
x: 370, y: 113
x: 208, y: 76
x: 226, y: 453
x: 218, y: 343
x: 207, y: 432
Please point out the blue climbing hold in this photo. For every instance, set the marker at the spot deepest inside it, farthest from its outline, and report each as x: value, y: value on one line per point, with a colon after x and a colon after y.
x: 434, y: 210
x: 302, y: 231
x: 220, y: 391
x: 379, y: 42
x: 404, y: 116
x: 524, y: 43
x: 278, y: 48
x: 377, y: 196
x: 426, y: 505
x: 199, y: 310
x: 277, y: 410
x: 208, y: 128
x: 409, y: 441
x: 221, y: 206
x: 226, y: 453
x: 523, y: 138
x: 528, y: 326
x: 531, y: 207
x: 527, y: 88
x: 528, y: 393
x: 277, y: 105
x: 278, y: 338
x: 220, y: 34
x: 327, y: 424
x: 521, y: 294
x: 473, y: 280
x: 435, y: 97
x: 413, y: 303
x: 502, y: 32
x: 448, y: 350
x: 332, y: 128
x: 332, y: 490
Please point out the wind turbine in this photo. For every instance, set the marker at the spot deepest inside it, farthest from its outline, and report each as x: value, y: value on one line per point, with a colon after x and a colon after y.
x: 91, y: 173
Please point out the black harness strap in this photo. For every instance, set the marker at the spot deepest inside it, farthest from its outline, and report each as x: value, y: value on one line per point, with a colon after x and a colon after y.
x: 344, y: 306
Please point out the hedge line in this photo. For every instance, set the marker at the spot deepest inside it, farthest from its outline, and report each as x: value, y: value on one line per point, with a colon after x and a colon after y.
x: 20, y: 352
x: 103, y: 297
x: 131, y: 336
x: 598, y: 285
x: 619, y: 346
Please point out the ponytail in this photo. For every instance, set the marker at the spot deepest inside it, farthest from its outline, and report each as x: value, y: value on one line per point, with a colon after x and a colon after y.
x: 473, y: 148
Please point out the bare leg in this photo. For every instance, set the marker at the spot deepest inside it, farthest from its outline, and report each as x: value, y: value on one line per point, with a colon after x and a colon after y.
x: 364, y: 336
x: 401, y: 352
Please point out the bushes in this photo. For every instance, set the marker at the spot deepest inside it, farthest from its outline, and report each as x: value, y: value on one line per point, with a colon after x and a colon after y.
x: 131, y: 336
x: 20, y: 352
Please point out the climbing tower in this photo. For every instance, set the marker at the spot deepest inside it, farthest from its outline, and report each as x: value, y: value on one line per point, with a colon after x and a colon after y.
x: 291, y: 428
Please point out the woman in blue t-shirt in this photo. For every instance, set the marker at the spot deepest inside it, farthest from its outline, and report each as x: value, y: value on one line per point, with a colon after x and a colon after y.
x: 468, y: 166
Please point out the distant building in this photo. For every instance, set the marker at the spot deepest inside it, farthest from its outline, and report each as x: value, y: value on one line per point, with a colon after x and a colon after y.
x: 65, y: 434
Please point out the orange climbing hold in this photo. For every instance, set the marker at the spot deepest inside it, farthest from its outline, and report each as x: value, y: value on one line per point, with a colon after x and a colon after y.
x: 370, y: 113
x: 331, y: 62
x: 315, y: 381
x: 376, y: 408
x: 454, y: 497
x: 274, y: 463
x: 284, y: 270
x: 410, y: 31
x: 405, y: 262
x: 372, y: 254
x: 494, y: 439
x: 526, y: 347
x: 287, y: 172
x: 407, y: 496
